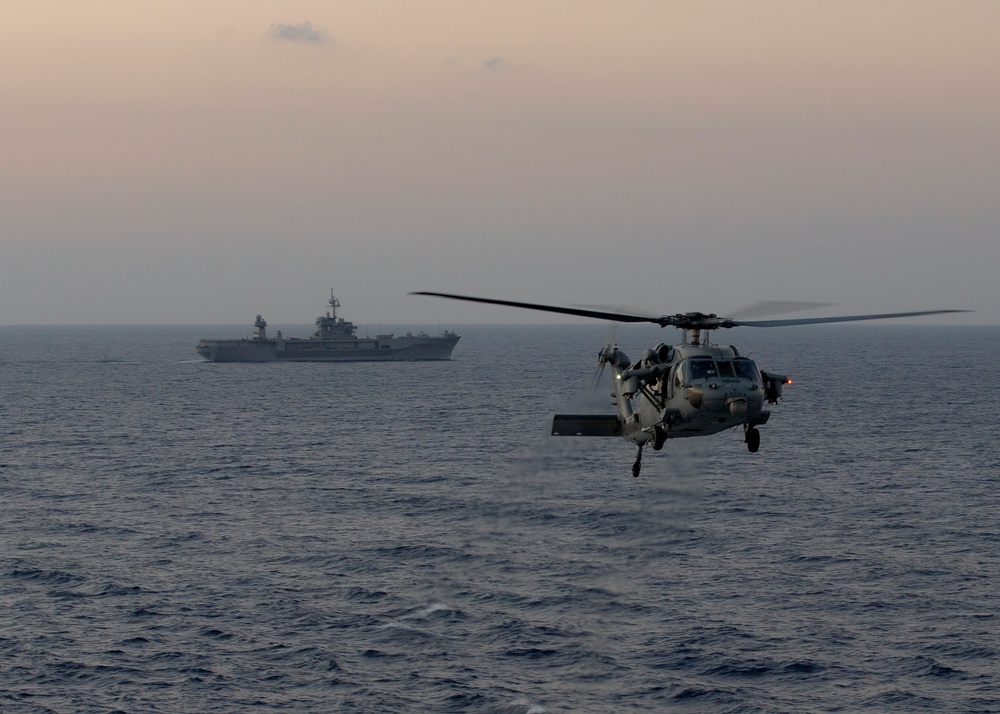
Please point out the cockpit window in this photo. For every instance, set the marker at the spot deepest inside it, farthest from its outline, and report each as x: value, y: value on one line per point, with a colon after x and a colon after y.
x: 701, y: 369
x: 746, y: 369
x: 706, y: 368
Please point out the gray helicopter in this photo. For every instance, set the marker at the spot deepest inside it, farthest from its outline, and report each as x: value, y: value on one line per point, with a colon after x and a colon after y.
x: 695, y: 388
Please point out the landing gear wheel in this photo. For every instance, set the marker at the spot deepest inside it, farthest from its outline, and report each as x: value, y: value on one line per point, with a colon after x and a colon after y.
x: 659, y: 436
x: 753, y: 440
x: 638, y: 463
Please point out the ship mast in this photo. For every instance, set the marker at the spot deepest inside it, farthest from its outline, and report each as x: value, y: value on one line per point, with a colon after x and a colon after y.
x: 334, y: 304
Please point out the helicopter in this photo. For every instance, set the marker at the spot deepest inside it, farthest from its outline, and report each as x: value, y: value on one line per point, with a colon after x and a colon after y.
x: 695, y: 388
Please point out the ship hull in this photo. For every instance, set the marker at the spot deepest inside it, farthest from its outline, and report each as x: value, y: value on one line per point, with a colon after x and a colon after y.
x: 399, y: 349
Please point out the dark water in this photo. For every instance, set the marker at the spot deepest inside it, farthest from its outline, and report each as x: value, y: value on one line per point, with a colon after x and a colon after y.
x: 179, y: 536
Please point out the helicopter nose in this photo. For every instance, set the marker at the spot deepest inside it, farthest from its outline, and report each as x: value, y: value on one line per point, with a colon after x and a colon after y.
x: 737, y: 406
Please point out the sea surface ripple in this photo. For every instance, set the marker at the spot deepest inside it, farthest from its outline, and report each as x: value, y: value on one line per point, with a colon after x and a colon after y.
x: 181, y: 536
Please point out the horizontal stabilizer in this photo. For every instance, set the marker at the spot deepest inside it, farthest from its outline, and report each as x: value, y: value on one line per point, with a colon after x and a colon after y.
x: 586, y: 425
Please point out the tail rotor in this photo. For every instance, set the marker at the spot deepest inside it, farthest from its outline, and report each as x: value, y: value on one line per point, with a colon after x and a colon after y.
x: 603, y: 357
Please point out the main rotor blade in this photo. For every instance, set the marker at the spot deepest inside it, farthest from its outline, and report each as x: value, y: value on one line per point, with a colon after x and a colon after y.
x: 578, y: 311
x: 696, y: 321
x: 842, y: 318
x: 620, y: 310
x: 768, y: 308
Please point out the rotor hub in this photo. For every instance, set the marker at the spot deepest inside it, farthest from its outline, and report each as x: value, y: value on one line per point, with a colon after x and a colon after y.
x: 695, y: 321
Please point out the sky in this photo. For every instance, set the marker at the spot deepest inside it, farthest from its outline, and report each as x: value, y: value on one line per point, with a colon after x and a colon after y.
x: 201, y: 162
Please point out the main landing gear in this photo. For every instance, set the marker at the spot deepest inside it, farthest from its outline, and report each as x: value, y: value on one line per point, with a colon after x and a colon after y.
x: 752, y: 439
x: 659, y: 438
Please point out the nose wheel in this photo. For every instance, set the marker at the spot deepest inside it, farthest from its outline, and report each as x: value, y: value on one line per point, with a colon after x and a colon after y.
x: 752, y: 439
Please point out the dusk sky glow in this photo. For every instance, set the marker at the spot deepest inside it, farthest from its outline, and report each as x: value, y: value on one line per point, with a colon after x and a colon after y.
x: 204, y: 162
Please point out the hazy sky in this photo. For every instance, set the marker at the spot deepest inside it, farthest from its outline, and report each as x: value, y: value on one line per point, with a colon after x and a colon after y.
x: 200, y: 162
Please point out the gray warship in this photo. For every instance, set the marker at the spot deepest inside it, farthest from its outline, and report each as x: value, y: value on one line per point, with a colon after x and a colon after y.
x: 334, y: 341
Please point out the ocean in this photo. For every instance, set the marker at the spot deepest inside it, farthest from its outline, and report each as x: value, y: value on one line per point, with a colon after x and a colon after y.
x: 182, y: 536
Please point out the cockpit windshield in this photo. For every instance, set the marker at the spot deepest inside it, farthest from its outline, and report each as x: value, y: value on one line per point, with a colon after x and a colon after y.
x: 746, y: 369
x: 703, y: 368
x: 707, y: 368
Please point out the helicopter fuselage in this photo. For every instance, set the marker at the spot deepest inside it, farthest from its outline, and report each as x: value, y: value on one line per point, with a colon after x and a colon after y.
x: 670, y: 392
x: 702, y: 389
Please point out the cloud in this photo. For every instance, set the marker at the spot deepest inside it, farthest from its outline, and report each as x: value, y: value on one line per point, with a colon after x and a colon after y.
x: 495, y: 63
x: 303, y: 32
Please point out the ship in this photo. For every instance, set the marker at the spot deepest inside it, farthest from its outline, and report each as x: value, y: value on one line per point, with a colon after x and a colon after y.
x: 335, y: 340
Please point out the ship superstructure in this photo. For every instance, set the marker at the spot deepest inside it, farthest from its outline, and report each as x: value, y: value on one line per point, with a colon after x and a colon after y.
x: 335, y: 340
